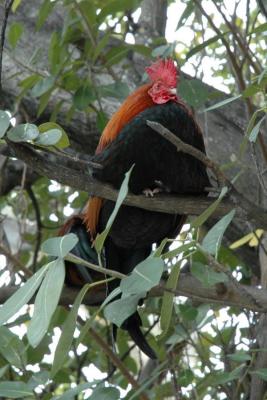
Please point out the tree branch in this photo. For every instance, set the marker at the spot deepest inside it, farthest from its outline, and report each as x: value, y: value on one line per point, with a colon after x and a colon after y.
x: 80, y: 179
x: 226, y: 294
x: 7, y: 8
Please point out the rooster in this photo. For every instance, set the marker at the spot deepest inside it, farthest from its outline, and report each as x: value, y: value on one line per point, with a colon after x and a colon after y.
x: 128, y: 140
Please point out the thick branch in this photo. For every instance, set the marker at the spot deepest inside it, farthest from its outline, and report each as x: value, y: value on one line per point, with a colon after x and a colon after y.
x: 227, y: 294
x: 81, y: 180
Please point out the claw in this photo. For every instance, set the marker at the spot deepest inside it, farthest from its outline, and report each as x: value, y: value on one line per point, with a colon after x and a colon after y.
x: 150, y: 193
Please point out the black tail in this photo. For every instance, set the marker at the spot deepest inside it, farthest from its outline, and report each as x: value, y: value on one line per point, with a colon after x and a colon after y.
x: 77, y: 275
x: 132, y: 325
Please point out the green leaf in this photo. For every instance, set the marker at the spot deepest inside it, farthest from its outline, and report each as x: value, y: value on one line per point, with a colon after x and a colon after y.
x: 70, y: 394
x: 64, y: 140
x: 186, y: 14
x: 223, y: 103
x: 118, y: 90
x: 30, y: 81
x: 45, y: 10
x: 194, y: 92
x: 60, y: 246
x: 100, y: 238
x: 165, y: 50
x: 119, y: 310
x: 49, y: 138
x: 208, y: 212
x: 167, y: 301
x: 116, y: 54
x: 219, y: 378
x: 43, y: 102
x: 212, y: 241
x: 15, y: 390
x: 240, y: 356
x: 83, y: 97
x: 101, y: 45
x: 105, y: 393
x: 259, y: 29
x: 261, y: 372
x: 68, y: 328
x: 112, y: 7
x: 188, y: 313
x: 3, y: 370
x: 144, y: 277
x: 12, y: 348
x: 15, y: 5
x: 22, y: 295
x: 23, y: 132
x: 14, y: 33
x: 46, y: 301
x: 4, y: 123
x: 254, y: 132
x: 204, y: 44
x: 206, y: 275
x: 43, y: 86
x: 101, y: 120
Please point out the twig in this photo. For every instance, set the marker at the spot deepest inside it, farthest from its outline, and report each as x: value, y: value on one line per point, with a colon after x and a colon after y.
x: 7, y: 8
x: 115, y: 274
x: 39, y: 226
x: 116, y: 361
x: 17, y: 263
x: 186, y: 148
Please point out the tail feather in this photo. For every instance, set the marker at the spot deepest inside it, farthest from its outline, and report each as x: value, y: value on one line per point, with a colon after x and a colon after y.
x: 77, y: 274
x: 134, y: 330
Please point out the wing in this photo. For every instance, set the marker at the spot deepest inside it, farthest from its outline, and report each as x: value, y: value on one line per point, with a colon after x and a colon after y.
x: 154, y: 157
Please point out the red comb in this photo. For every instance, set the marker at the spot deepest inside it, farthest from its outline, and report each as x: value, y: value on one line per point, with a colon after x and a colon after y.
x: 164, y: 70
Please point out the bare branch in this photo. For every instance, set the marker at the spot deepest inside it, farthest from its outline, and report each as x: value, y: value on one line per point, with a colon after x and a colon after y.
x: 7, y: 8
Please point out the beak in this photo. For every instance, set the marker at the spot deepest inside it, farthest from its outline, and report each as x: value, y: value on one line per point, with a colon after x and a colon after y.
x: 173, y: 91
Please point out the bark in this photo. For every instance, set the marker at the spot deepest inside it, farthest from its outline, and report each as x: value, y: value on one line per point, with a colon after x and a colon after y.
x: 227, y: 294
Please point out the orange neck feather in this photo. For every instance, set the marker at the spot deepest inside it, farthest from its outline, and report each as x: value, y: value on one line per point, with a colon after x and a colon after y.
x: 135, y: 103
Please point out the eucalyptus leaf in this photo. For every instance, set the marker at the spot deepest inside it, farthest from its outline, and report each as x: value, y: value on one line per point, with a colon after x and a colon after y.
x: 207, y: 276
x: 49, y: 138
x: 23, y: 133
x: 14, y: 33
x: 255, y: 131
x: 213, y: 239
x: 239, y: 356
x: 72, y: 393
x: 119, y: 310
x: 167, y: 301
x: 105, y: 393
x: 261, y: 373
x: 12, y: 348
x: 83, y: 97
x: 204, y: 44
x: 68, y: 328
x: 43, y: 86
x: 144, y: 277
x: 223, y: 103
x: 15, y: 390
x: 4, y: 123
x: 64, y: 140
x: 46, y: 301
x: 60, y: 246
x: 22, y: 295
x: 100, y: 238
x: 209, y: 211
